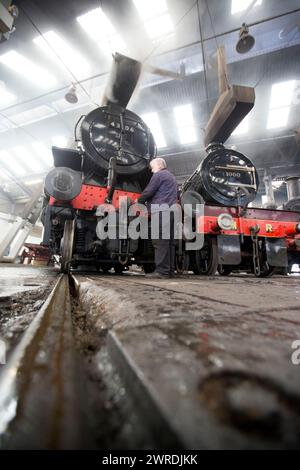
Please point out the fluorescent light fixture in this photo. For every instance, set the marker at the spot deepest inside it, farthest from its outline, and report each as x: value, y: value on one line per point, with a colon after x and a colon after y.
x: 148, y: 9
x: 184, y: 115
x: 59, y: 141
x: 96, y: 24
x: 278, y: 118
x: 27, y: 69
x: 153, y: 122
x: 51, y: 41
x: 27, y: 158
x: 185, y: 124
x: 282, y: 94
x: 158, y: 27
x: 187, y: 135
x: 13, y: 166
x: 240, y: 5
x: 33, y: 115
x: 99, y: 28
x: 43, y: 152
x: 242, y: 128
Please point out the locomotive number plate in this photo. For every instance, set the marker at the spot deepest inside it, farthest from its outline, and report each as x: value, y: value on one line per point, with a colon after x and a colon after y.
x: 233, y: 174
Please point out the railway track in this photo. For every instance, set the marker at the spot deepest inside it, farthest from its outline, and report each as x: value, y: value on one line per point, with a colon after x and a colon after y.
x: 38, y: 385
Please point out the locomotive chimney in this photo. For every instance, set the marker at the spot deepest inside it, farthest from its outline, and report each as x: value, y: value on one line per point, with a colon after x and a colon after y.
x: 293, y: 187
x: 123, y: 78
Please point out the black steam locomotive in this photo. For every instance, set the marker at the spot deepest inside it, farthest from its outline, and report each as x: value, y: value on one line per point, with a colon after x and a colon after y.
x: 112, y: 160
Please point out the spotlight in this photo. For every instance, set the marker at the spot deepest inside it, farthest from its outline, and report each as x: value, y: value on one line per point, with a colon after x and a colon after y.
x: 71, y: 96
x: 246, y: 41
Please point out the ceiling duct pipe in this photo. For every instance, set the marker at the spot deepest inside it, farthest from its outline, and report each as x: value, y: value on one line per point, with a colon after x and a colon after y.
x: 234, y: 103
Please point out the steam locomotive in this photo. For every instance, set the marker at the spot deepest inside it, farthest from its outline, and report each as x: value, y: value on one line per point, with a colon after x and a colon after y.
x: 112, y: 160
x: 238, y: 237
x: 114, y: 149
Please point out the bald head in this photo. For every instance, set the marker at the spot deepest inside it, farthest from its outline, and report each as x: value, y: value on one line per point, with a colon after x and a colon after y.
x: 158, y: 164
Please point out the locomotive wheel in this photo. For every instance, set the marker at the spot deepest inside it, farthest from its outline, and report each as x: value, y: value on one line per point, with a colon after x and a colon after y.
x: 206, y: 260
x: 224, y: 270
x: 67, y: 245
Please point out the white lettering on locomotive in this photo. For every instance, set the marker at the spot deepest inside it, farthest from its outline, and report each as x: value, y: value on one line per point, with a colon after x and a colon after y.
x: 117, y: 125
x: 233, y: 174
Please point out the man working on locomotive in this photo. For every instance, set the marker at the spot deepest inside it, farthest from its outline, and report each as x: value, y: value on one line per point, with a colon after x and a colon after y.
x: 162, y: 190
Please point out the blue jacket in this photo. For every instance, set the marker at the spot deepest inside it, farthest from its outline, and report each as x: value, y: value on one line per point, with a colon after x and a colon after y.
x: 161, y: 189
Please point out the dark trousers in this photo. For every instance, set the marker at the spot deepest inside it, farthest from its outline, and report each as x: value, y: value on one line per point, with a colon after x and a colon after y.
x: 164, y: 249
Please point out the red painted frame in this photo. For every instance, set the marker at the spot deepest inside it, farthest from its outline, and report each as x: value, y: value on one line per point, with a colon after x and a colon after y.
x: 92, y: 196
x: 271, y: 223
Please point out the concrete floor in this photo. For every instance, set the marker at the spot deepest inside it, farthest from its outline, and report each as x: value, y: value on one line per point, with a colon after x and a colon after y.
x: 214, y: 353
x: 20, y: 278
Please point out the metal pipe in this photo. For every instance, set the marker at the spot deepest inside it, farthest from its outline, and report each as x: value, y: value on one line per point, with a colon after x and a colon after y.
x: 293, y: 187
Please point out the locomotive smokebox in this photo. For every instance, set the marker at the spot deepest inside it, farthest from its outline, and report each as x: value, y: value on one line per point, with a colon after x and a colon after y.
x: 224, y: 177
x: 111, y: 131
